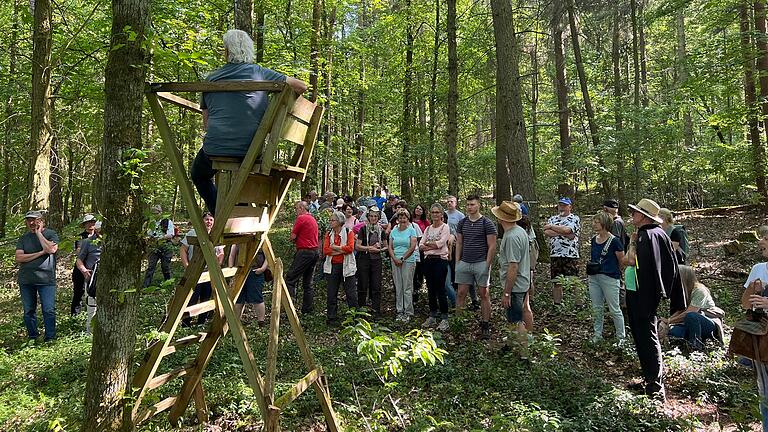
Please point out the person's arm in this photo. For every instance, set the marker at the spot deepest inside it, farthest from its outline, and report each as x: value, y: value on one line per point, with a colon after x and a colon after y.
x: 263, y: 267
x: 445, y: 235
x: 294, y: 231
x: 168, y: 234
x: 350, y: 246
x: 49, y: 246
x: 411, y: 248
x: 423, y: 246
x: 359, y: 246
x: 491, y: 241
x: 327, y: 246
x: 22, y: 257
x: 219, y: 255
x: 620, y: 257
x: 630, y: 258
x: 459, y: 241
x: 205, y: 119
x: 679, y: 316
x: 183, y: 255
x: 509, y: 283
x: 232, y: 255
x: 84, y: 270
x: 297, y: 85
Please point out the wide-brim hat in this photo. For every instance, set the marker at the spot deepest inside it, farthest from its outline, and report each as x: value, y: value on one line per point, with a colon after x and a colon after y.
x: 87, y: 218
x: 649, y: 208
x: 508, y: 211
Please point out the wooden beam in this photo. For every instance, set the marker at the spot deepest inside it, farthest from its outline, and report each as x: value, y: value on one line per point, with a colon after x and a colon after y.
x: 268, y: 154
x: 274, y: 332
x: 206, y: 276
x: 201, y: 408
x: 168, y: 376
x: 215, y: 86
x: 298, y: 388
x: 179, y: 101
x: 184, y: 342
x: 155, y: 409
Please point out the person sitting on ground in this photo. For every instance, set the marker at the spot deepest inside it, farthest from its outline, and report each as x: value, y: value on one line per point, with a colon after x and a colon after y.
x: 607, y: 251
x: 252, y: 292
x: 675, y: 233
x: 203, y: 291
x: 701, y: 320
x: 230, y: 119
x: 339, y: 266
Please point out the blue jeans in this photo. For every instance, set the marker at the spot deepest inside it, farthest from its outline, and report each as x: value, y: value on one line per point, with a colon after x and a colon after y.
x: 47, y: 294
x: 449, y: 291
x: 696, y: 329
x: 762, y: 388
x: 605, y: 289
x: 201, y: 173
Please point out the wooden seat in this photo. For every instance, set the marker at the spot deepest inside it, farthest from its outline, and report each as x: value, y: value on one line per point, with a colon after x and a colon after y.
x: 251, y: 191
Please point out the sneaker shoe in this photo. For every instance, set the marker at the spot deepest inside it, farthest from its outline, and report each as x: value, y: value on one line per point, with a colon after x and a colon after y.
x: 485, y: 333
x: 429, y: 323
x: 443, y: 326
x: 401, y: 318
x: 596, y: 339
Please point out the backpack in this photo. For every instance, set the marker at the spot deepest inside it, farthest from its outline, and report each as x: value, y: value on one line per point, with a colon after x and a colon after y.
x: 683, y: 238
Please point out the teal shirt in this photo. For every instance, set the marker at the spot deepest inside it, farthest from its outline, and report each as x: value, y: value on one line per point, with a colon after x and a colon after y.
x: 41, y: 270
x: 401, y: 241
x: 233, y: 117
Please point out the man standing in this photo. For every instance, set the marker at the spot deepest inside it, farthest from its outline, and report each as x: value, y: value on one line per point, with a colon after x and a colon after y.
x: 329, y: 200
x: 305, y: 236
x: 78, y: 283
x: 563, y: 231
x: 314, y: 205
x: 514, y: 269
x: 161, y: 250
x: 87, y: 264
x: 475, y: 249
x: 454, y: 217
x: 36, y: 254
x: 611, y: 206
x: 656, y: 277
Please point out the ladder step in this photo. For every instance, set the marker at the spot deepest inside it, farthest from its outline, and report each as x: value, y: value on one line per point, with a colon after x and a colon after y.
x: 206, y: 276
x: 285, y: 171
x: 155, y: 409
x: 200, y: 308
x: 164, y: 378
x: 184, y: 342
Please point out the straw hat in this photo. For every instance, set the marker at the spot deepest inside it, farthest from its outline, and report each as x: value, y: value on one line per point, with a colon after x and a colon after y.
x: 508, y: 211
x: 649, y: 208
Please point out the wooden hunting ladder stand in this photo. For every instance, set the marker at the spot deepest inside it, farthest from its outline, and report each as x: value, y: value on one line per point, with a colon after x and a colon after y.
x: 250, y: 194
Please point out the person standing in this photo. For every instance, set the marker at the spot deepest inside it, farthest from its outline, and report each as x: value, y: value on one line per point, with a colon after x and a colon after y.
x: 78, y: 283
x: 454, y: 217
x: 514, y: 271
x: 563, y: 231
x: 402, y: 250
x: 161, y: 250
x: 36, y: 256
x: 656, y: 277
x: 370, y: 243
x: 339, y: 266
x: 313, y: 203
x: 607, y: 251
x: 475, y: 250
x: 203, y: 291
x: 87, y: 264
x: 618, y: 228
x: 434, y: 246
x: 253, y: 288
x: 306, y: 238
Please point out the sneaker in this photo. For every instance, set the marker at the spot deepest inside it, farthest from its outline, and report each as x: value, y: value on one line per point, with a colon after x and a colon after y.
x: 443, y: 326
x: 485, y: 333
x: 596, y: 339
x: 401, y: 318
x: 430, y: 322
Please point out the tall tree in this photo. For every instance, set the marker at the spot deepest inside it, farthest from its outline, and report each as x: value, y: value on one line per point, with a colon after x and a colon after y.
x: 564, y: 187
x: 635, y: 97
x: 433, y: 103
x: 38, y: 178
x: 750, y: 99
x: 114, y: 329
x: 618, y: 106
x: 761, y: 40
x: 11, y: 120
x: 451, y: 127
x: 406, y: 174
x: 682, y: 78
x: 244, y: 16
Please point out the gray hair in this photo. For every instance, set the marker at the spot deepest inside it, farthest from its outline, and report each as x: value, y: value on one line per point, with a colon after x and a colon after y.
x: 339, y: 216
x: 239, y: 46
x: 437, y: 206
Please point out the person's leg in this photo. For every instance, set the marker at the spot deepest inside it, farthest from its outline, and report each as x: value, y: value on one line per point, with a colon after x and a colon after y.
x: 350, y: 290
x: 363, y: 278
x: 572, y: 269
x: 528, y: 313
x: 463, y: 277
x: 611, y: 293
x: 29, y: 302
x: 429, y: 268
x: 596, y: 297
x: 195, y: 299
x: 441, y: 270
x: 556, y: 264
x: 648, y: 345
x: 397, y: 279
x: 407, y: 270
x: 449, y: 291
x: 48, y: 305
x: 699, y: 329
x: 308, y: 298
x: 152, y: 259
x: 474, y: 297
x: 206, y: 293
x: 375, y: 285
x: 165, y: 261
x: 90, y: 312
x: 418, y: 279
x: 518, y: 337
x: 334, y: 279
x: 78, y: 289
x: 762, y: 391
x: 201, y: 173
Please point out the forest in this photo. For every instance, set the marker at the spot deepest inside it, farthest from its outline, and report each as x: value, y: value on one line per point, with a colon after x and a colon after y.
x: 589, y: 99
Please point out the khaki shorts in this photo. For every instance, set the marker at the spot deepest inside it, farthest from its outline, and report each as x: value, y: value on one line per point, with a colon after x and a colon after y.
x: 477, y: 274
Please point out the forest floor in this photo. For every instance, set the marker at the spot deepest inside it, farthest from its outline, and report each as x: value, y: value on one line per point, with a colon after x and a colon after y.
x: 570, y: 384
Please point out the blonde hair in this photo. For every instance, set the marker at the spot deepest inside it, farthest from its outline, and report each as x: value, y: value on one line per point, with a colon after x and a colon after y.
x: 666, y: 215
x: 603, y: 219
x: 689, y: 280
x: 403, y: 211
x: 239, y: 46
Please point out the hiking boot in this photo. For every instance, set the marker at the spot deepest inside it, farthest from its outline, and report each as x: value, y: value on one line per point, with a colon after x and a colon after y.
x: 430, y: 322
x: 443, y: 326
x: 485, y: 330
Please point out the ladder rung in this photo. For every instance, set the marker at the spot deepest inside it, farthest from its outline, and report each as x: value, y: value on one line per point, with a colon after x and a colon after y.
x: 200, y: 308
x: 164, y: 378
x: 155, y: 409
x: 206, y: 276
x: 184, y: 342
x: 280, y: 170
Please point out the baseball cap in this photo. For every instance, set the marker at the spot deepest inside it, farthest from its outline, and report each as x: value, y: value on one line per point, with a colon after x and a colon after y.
x: 565, y: 200
x: 33, y: 214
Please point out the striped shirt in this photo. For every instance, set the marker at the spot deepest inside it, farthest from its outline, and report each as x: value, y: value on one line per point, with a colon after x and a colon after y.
x: 474, y: 245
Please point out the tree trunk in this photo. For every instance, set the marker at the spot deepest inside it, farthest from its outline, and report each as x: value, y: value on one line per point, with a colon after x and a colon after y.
x: 11, y: 120
x: 750, y: 99
x: 564, y: 187
x: 433, y: 103
x: 357, y: 186
x: 451, y: 127
x: 682, y: 78
x: 260, y: 15
x: 593, y: 130
x: 534, y: 54
x: 329, y: 29
x: 114, y: 330
x: 406, y: 130
x: 38, y: 179
x: 244, y: 16
x: 56, y: 206
x: 314, y: 50
x: 761, y: 39
x: 637, y: 142
x: 618, y: 106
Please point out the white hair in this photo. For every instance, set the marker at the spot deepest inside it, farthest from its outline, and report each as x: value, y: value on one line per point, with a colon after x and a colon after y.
x: 239, y: 46
x: 340, y: 217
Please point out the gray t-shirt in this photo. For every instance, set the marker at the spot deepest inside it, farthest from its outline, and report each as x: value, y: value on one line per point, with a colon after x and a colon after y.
x: 218, y: 250
x: 41, y: 270
x: 514, y: 249
x: 454, y: 218
x: 233, y: 117
x: 90, y: 252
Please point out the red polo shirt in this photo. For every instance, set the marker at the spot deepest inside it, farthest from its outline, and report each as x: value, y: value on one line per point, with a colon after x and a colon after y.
x: 306, y: 232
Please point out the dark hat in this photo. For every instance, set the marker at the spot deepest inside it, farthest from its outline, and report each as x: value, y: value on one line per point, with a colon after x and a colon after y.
x: 611, y: 203
x: 33, y: 214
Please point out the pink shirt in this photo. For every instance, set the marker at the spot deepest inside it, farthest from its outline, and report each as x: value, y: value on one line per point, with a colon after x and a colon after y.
x: 440, y: 237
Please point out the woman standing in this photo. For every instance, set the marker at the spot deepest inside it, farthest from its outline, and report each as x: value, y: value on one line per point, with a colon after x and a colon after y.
x: 604, y: 283
x: 369, y: 245
x: 340, y: 265
x: 434, y: 245
x: 402, y: 247
x: 349, y: 216
x: 419, y: 222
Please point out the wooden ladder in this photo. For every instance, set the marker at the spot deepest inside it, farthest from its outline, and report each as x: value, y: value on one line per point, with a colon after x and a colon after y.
x: 250, y: 194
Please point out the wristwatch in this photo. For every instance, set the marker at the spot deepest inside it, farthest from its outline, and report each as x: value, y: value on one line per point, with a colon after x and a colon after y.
x: 506, y: 294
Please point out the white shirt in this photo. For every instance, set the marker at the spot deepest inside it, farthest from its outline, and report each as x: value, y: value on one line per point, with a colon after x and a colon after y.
x: 759, y: 271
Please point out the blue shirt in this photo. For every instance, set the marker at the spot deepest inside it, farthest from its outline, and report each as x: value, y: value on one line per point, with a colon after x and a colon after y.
x: 380, y: 201
x: 401, y: 241
x: 610, y: 264
x: 233, y: 117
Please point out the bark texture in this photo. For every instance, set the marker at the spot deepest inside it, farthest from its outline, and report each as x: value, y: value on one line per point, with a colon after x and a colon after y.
x: 38, y: 178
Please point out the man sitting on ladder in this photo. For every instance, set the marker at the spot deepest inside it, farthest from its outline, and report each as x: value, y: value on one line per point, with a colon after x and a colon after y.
x: 230, y: 119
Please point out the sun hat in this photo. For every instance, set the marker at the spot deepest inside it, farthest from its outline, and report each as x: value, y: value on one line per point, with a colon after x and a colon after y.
x: 508, y: 211
x: 340, y: 203
x: 649, y: 208
x: 87, y: 218
x: 374, y: 208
